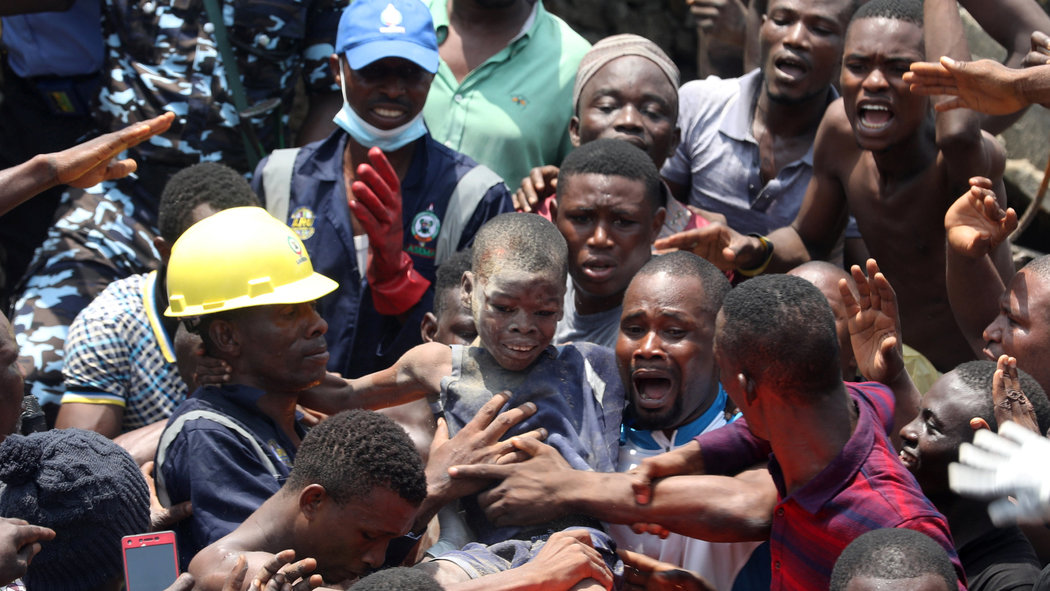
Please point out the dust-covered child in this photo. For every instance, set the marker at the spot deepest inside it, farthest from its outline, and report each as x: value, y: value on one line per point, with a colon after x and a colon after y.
x: 515, y: 290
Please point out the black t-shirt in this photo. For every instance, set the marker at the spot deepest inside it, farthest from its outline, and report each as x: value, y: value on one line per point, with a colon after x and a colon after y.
x: 1000, y: 560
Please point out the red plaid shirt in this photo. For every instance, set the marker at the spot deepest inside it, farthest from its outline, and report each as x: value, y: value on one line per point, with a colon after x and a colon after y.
x: 864, y: 488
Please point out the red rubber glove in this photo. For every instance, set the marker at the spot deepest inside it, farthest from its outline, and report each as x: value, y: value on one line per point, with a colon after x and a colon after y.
x: 376, y: 202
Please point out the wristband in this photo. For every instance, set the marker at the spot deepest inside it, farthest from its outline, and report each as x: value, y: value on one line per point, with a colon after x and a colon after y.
x: 397, y: 294
x: 765, y: 260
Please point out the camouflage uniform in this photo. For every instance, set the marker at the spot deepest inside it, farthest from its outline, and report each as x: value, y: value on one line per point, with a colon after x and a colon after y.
x: 161, y: 57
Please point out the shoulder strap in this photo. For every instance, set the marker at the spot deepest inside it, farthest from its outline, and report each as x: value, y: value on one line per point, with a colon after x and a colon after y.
x: 469, y: 192
x: 172, y: 431
x: 277, y: 181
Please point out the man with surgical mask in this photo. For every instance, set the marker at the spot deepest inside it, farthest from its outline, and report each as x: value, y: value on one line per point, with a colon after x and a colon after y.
x: 380, y: 204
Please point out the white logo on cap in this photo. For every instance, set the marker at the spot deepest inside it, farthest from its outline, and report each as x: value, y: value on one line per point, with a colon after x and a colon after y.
x: 391, y: 19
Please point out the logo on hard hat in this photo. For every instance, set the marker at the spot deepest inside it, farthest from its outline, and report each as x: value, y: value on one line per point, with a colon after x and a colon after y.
x: 391, y: 19
x: 297, y: 248
x: 302, y: 223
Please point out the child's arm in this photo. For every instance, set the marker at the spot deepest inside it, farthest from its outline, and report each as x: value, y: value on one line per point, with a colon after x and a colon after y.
x: 417, y: 374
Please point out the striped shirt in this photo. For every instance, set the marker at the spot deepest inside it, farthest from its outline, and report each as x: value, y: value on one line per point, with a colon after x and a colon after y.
x: 864, y: 488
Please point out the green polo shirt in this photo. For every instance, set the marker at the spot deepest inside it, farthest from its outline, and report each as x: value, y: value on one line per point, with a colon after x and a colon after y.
x: 512, y: 112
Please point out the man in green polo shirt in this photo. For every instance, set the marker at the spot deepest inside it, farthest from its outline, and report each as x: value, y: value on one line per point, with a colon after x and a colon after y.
x: 503, y: 90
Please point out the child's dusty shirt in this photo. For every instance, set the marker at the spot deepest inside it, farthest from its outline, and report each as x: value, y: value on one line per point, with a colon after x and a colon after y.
x: 579, y: 399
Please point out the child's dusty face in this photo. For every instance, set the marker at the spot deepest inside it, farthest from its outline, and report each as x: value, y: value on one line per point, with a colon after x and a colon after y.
x: 516, y: 313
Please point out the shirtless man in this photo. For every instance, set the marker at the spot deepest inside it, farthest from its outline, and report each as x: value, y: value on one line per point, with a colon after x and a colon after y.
x: 882, y: 155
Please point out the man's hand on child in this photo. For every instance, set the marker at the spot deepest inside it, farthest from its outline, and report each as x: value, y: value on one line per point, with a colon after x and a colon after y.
x: 478, y: 442
x: 524, y: 495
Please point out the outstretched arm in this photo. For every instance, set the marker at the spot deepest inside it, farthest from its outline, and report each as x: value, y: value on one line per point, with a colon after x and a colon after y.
x: 876, y: 337
x: 545, y: 487
x: 983, y: 85
x: 478, y: 442
x: 1010, y: 23
x: 82, y: 166
x: 959, y: 135
x: 415, y: 375
x: 976, y: 226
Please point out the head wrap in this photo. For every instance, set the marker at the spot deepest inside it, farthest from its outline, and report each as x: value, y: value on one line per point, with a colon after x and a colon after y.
x: 617, y: 46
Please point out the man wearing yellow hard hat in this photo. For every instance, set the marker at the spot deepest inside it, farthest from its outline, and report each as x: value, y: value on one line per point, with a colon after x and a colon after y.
x: 244, y: 282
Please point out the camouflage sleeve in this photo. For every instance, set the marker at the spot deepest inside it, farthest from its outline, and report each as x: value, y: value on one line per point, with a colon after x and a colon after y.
x: 319, y: 43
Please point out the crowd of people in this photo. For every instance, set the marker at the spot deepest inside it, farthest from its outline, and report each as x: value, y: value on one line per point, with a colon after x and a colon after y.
x: 509, y: 311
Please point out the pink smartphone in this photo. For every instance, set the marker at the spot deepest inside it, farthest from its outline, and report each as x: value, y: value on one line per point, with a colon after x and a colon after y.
x: 151, y: 561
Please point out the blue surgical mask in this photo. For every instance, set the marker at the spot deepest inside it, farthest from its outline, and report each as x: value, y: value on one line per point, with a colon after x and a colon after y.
x: 369, y: 135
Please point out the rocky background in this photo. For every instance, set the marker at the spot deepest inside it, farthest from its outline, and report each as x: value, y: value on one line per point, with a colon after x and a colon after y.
x: 669, y: 24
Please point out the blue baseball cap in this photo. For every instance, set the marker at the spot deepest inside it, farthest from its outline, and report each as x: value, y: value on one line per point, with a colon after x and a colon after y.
x: 371, y: 30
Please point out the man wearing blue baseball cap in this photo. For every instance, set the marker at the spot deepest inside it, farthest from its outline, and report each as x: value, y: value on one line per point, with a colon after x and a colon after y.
x: 379, y: 203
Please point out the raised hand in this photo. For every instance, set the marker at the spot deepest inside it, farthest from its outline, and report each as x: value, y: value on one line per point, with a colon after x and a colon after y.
x: 1011, y: 463
x: 536, y: 188
x: 376, y: 203
x: 983, y: 85
x: 874, y: 324
x: 91, y: 162
x: 726, y: 20
x: 1010, y: 401
x: 723, y: 246
x: 975, y: 223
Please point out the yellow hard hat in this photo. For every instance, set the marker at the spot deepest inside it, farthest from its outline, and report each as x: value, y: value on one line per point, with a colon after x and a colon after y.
x: 237, y: 258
